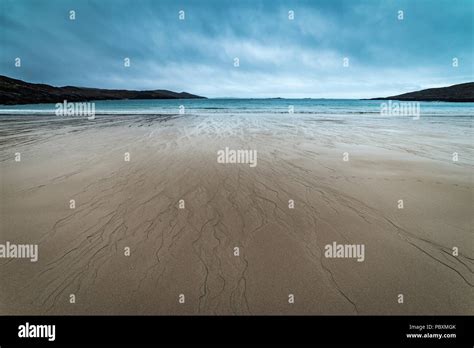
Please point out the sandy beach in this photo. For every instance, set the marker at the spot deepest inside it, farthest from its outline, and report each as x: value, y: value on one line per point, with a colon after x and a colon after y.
x: 190, y: 251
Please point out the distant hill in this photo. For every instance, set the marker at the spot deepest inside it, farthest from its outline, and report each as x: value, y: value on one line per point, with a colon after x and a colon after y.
x: 463, y: 92
x: 14, y: 91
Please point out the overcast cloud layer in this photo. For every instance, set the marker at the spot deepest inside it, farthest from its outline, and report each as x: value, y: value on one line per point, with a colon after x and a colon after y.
x: 278, y: 57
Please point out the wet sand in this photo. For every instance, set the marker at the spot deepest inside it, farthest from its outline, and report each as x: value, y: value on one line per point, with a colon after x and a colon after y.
x: 190, y: 251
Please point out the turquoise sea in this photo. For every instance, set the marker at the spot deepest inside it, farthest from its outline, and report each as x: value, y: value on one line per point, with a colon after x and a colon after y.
x: 341, y: 107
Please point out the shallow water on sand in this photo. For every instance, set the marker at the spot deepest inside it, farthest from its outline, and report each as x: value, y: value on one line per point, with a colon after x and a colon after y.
x: 439, y: 130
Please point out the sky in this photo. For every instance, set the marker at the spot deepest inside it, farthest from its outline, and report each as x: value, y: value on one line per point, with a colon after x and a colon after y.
x: 301, y: 57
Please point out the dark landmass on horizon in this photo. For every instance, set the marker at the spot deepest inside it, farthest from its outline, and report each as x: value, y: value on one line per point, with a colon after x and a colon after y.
x: 16, y: 92
x: 463, y: 92
x: 13, y: 91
